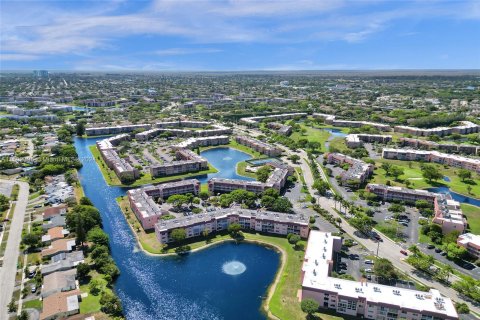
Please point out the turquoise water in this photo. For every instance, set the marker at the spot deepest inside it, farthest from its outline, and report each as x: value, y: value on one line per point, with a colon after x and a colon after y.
x: 226, y: 281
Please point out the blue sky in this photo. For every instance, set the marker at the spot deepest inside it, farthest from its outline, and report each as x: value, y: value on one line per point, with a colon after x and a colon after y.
x: 180, y: 35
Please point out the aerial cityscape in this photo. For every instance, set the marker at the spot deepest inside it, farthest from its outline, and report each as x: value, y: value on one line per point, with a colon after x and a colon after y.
x: 240, y: 160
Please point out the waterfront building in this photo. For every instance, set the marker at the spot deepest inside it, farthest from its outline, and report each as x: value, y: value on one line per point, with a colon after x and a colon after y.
x: 358, y: 171
x: 142, y: 200
x: 254, y: 220
x: 471, y: 242
x: 433, y: 156
x: 357, y: 140
x: 259, y: 146
x: 253, y: 121
x: 192, y: 143
x: 447, y: 212
x: 60, y: 281
x: 466, y: 127
x: 188, y: 161
x: 101, y: 131
x: 332, y: 120
x: 174, y: 129
x: 360, y: 298
x: 122, y: 168
x: 276, y: 180
x: 430, y: 145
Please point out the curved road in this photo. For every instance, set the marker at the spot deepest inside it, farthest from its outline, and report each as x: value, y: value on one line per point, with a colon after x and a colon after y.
x: 387, y: 249
x: 9, y: 268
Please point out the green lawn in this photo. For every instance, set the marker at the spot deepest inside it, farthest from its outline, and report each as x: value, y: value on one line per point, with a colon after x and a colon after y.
x: 414, y: 174
x: 91, y: 303
x: 338, y: 143
x: 241, y: 170
x: 312, y: 134
x: 233, y: 144
x: 35, y: 304
x: 473, y: 217
x: 112, y: 179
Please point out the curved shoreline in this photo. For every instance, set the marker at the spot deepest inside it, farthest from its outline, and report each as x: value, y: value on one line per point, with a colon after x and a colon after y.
x: 271, y: 288
x: 461, y: 194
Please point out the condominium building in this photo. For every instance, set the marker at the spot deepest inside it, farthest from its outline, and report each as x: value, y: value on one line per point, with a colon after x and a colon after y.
x: 358, y: 124
x: 192, y: 143
x: 142, y: 200
x: 362, y: 299
x: 253, y: 121
x: 101, y: 131
x: 188, y: 161
x: 259, y: 146
x: 276, y: 180
x: 173, y: 128
x: 447, y: 212
x: 466, y: 127
x: 433, y: 156
x: 280, y: 128
x: 358, y: 171
x: 260, y: 221
x: 357, y: 140
x: 122, y: 168
x: 430, y: 145
x: 471, y: 242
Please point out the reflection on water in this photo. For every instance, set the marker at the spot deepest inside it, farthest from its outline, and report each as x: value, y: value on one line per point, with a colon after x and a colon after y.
x: 188, y: 287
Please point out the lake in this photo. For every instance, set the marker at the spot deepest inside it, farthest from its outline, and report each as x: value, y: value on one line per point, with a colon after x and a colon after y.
x: 227, y: 281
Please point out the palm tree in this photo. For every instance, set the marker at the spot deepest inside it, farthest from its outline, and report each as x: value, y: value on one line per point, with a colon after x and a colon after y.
x: 448, y: 271
x: 414, y: 249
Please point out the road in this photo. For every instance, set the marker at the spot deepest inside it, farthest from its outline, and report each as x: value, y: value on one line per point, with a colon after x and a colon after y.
x: 9, y: 268
x: 386, y: 249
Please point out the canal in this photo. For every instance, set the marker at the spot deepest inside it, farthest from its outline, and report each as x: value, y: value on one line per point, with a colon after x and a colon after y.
x: 226, y: 281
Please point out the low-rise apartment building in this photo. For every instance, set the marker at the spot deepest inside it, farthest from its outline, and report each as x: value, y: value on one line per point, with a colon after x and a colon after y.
x: 122, y: 168
x: 142, y: 200
x: 432, y: 156
x: 101, y: 131
x: 360, y: 298
x: 174, y: 129
x: 276, y: 180
x: 332, y: 120
x: 259, y: 146
x: 471, y: 242
x: 253, y: 121
x: 260, y: 221
x: 358, y: 171
x: 188, y: 161
x: 466, y: 127
x: 357, y: 140
x: 193, y: 143
x: 280, y: 128
x: 447, y: 212
x: 431, y: 145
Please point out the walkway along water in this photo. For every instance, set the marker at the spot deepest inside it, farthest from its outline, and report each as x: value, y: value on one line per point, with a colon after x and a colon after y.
x: 179, y: 287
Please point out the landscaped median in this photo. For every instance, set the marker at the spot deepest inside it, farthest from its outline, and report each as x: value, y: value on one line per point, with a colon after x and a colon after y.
x: 282, y: 300
x: 112, y: 179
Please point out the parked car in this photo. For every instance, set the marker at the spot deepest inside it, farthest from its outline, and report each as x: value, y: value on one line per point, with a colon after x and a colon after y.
x: 438, y: 250
x: 34, y: 288
x: 430, y: 246
x: 368, y: 270
x: 369, y: 262
x: 404, y: 252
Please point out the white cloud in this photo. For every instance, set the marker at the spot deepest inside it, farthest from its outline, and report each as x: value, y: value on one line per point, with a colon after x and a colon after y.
x: 45, y: 28
x: 17, y: 57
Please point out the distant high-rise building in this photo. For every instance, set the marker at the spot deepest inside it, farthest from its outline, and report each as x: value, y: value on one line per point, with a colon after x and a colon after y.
x: 40, y: 73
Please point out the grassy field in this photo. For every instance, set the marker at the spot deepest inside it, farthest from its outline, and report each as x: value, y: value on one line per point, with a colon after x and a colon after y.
x: 312, y: 134
x: 473, y: 217
x: 241, y: 170
x: 35, y: 304
x: 233, y: 144
x: 338, y: 143
x: 112, y: 179
x: 414, y: 174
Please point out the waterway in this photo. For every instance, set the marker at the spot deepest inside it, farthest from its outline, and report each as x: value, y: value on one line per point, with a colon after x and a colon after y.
x: 456, y: 196
x: 226, y: 281
x: 334, y: 133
